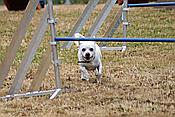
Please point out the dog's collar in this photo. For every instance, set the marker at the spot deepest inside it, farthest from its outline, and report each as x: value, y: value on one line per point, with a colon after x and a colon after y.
x: 84, y: 61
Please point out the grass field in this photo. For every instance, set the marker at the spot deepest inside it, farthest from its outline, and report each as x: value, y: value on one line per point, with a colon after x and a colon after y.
x: 137, y: 82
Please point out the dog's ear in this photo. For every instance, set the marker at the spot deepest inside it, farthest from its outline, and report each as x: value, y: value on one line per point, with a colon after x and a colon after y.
x: 94, y: 41
x: 78, y: 35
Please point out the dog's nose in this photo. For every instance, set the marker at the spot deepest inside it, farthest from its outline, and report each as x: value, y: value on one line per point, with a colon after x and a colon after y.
x: 87, y: 55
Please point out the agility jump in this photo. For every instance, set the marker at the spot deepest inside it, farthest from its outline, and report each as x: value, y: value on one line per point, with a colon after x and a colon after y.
x: 47, y: 18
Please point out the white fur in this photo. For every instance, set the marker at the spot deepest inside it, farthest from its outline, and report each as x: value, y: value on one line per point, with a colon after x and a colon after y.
x: 88, y: 59
x: 78, y: 35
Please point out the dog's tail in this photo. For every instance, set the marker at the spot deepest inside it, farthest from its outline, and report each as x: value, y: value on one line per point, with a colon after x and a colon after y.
x: 78, y: 35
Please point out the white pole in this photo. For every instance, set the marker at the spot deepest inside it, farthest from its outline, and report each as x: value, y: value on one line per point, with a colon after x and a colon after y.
x: 51, y: 21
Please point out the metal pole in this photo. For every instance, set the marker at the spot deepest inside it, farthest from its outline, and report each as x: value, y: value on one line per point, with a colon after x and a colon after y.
x: 51, y: 21
x: 125, y: 23
x: 101, y: 17
x: 105, y: 39
x: 152, y: 4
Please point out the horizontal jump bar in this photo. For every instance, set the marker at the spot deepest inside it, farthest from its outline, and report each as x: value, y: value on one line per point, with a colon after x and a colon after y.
x: 116, y: 39
x: 152, y: 4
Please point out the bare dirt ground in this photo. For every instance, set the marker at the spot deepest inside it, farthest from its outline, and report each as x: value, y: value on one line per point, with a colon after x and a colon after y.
x: 138, y: 82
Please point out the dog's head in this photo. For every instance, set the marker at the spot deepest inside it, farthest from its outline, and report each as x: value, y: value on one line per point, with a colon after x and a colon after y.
x: 87, y: 50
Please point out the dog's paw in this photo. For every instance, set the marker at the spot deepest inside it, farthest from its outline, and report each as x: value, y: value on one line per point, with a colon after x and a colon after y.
x: 98, y: 81
x: 99, y: 76
x: 96, y: 72
x: 85, y: 79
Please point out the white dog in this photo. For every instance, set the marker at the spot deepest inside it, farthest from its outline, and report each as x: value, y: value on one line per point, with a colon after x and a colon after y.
x: 89, y: 58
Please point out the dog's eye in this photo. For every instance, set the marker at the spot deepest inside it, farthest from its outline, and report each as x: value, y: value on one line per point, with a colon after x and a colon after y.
x: 83, y: 49
x: 91, y: 49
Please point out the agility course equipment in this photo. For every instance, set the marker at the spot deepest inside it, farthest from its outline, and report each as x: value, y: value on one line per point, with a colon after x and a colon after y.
x: 26, y: 62
x: 120, y: 2
x: 121, y: 13
x: 116, y: 39
x: 115, y: 24
x: 67, y: 44
x: 101, y: 17
x: 16, y: 40
x: 123, y: 16
x: 152, y: 4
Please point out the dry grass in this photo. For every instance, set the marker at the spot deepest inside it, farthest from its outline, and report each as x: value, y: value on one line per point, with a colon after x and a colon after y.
x: 138, y: 82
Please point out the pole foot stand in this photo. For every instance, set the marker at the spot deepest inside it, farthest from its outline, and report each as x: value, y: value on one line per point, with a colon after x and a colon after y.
x: 55, y: 93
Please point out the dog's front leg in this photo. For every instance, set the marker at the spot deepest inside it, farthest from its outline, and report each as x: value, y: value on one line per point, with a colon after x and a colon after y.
x: 84, y: 73
x: 99, y: 73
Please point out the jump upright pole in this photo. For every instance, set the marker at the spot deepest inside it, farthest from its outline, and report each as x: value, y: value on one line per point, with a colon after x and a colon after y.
x: 51, y: 21
x: 125, y: 23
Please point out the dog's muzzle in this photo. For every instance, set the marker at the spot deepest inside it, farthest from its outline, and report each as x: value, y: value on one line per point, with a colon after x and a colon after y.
x: 87, y: 58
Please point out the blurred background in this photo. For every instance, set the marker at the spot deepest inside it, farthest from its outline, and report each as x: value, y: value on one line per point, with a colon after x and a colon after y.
x: 78, y: 1
x: 63, y: 1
